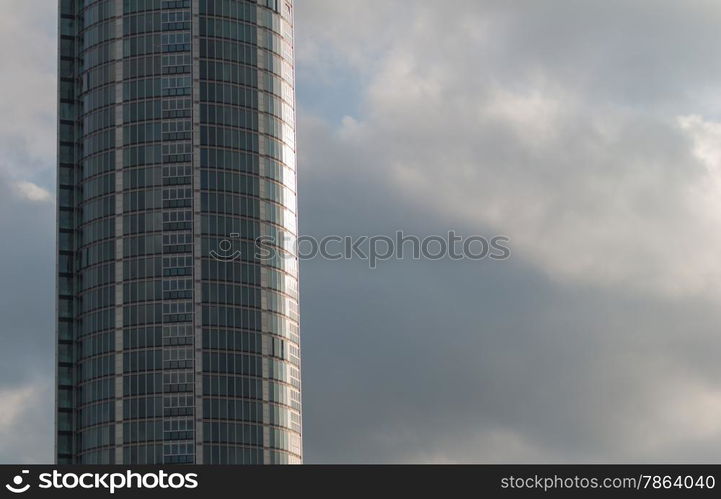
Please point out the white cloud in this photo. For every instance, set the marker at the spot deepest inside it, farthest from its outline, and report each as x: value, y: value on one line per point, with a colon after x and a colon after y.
x: 32, y: 192
x: 15, y: 402
x: 26, y: 424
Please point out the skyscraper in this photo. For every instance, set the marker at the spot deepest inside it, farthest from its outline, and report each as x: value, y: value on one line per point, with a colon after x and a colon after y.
x: 177, y: 337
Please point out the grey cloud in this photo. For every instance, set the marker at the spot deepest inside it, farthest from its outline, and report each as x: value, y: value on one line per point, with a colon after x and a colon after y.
x: 640, y: 53
x: 27, y: 293
x: 590, y: 187
x: 26, y: 307
x: 468, y: 362
x: 568, y: 126
x: 27, y: 148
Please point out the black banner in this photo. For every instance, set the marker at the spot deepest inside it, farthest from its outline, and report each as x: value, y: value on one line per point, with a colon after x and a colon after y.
x: 212, y: 482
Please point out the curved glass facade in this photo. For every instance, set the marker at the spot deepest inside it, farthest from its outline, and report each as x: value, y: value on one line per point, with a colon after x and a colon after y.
x: 178, y: 336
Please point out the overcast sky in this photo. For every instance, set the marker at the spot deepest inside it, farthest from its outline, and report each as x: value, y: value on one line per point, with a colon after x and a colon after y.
x: 587, y: 132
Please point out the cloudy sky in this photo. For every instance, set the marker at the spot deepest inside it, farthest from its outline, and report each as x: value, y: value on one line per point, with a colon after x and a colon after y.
x: 587, y: 132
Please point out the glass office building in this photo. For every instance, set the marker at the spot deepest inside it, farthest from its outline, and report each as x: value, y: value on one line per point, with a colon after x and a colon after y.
x: 177, y: 334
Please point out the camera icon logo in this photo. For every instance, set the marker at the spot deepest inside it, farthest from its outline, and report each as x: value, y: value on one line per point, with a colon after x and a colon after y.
x: 17, y: 483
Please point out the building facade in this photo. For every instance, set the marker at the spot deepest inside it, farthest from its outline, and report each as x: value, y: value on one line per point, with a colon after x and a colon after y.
x: 177, y: 334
